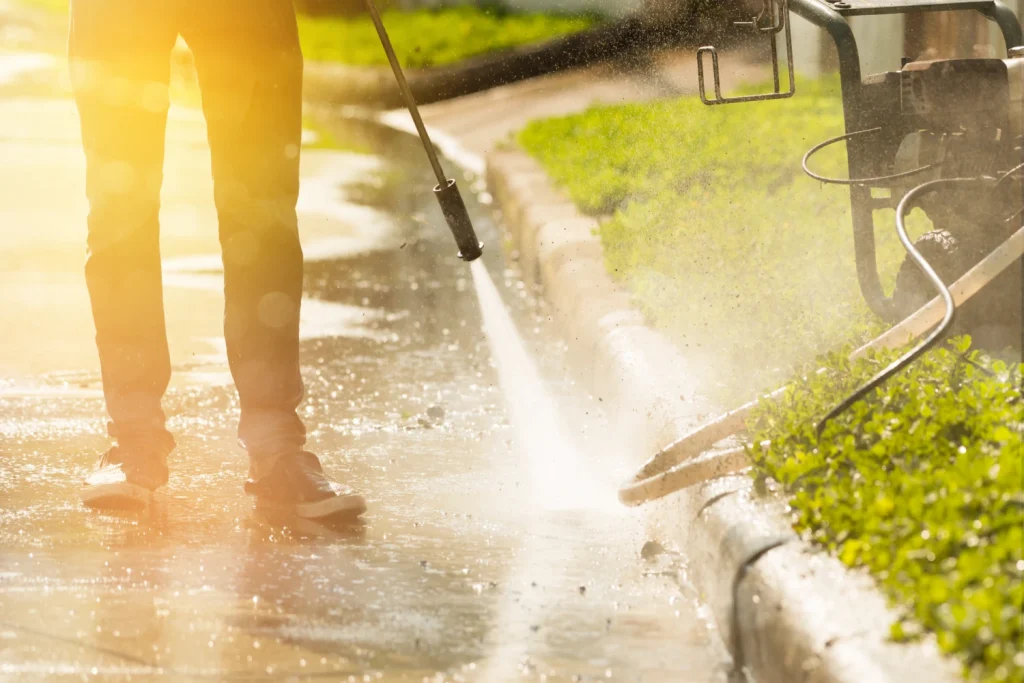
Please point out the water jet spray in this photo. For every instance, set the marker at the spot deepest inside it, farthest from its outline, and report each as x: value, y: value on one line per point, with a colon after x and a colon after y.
x: 549, y: 453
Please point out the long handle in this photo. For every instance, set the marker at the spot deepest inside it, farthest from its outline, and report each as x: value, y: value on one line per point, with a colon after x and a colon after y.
x: 447, y: 192
x: 410, y: 101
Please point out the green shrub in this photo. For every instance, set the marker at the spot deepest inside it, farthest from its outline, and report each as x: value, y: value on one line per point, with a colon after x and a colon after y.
x: 724, y: 242
x: 922, y: 485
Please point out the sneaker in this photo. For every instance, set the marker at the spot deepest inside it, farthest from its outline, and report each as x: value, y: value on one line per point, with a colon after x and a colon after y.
x: 297, y: 484
x: 123, y: 480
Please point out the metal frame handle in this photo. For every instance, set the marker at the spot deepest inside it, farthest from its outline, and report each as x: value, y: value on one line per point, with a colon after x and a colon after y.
x: 776, y: 13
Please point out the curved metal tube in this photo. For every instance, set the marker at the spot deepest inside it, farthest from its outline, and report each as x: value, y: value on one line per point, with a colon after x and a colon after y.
x: 1000, y: 179
x: 968, y: 285
x: 854, y: 181
x: 678, y: 466
x: 1008, y: 23
x: 936, y: 281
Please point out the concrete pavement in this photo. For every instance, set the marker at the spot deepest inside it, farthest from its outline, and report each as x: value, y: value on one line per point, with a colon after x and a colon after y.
x: 461, y: 571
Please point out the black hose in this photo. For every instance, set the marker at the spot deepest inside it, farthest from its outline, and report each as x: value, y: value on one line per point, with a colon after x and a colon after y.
x: 1000, y: 179
x: 935, y: 280
x: 854, y: 181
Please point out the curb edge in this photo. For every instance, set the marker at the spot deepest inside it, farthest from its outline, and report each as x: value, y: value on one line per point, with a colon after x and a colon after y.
x: 789, y: 613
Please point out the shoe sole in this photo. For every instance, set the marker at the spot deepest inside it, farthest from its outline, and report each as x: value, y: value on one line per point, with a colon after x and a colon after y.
x: 336, y: 507
x: 120, y: 496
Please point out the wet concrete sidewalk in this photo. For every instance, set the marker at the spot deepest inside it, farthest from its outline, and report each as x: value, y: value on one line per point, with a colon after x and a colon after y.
x: 463, y: 570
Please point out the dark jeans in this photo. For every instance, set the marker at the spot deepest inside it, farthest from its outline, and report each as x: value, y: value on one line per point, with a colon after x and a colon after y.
x: 249, y: 66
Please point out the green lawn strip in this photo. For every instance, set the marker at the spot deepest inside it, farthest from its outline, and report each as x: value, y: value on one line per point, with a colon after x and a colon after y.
x: 725, y: 244
x: 432, y: 37
x: 922, y: 485
x: 422, y: 38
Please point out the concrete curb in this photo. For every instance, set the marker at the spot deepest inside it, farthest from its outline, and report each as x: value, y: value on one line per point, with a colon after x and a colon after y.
x: 789, y: 614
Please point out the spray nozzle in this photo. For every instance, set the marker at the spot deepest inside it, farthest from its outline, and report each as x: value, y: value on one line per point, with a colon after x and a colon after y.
x: 447, y: 191
x: 455, y: 213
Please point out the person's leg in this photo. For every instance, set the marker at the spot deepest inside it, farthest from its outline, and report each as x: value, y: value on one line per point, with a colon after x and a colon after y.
x: 250, y: 71
x: 119, y: 58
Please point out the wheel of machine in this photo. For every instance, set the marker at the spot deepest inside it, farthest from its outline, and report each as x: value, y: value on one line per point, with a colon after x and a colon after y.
x: 992, y: 317
x: 913, y: 290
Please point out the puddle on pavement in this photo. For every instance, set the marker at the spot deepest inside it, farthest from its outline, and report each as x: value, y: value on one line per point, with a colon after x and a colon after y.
x: 456, y: 574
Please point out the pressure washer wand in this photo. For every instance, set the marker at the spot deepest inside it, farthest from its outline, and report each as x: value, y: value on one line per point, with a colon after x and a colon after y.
x: 446, y: 191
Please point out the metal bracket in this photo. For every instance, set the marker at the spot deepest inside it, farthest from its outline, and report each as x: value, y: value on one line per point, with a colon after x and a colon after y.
x: 773, y: 19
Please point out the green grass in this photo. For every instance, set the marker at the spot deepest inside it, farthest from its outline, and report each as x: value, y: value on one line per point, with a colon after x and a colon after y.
x: 724, y: 242
x: 922, y: 485
x: 422, y: 38
x: 425, y: 38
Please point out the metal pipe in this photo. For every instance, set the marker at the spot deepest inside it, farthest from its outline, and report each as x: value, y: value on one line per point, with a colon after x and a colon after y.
x: 403, y: 86
x: 1008, y: 23
x: 969, y: 284
x: 854, y: 181
x: 936, y: 281
x: 446, y: 191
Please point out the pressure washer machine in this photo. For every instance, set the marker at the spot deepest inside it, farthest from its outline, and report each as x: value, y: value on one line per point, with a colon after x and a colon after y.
x: 934, y: 119
x: 943, y: 135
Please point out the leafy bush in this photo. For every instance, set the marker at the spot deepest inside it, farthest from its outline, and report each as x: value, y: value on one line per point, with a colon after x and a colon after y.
x: 724, y: 242
x: 922, y: 485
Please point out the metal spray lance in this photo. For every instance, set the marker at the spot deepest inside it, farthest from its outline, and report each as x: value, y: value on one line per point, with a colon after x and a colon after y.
x: 446, y: 191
